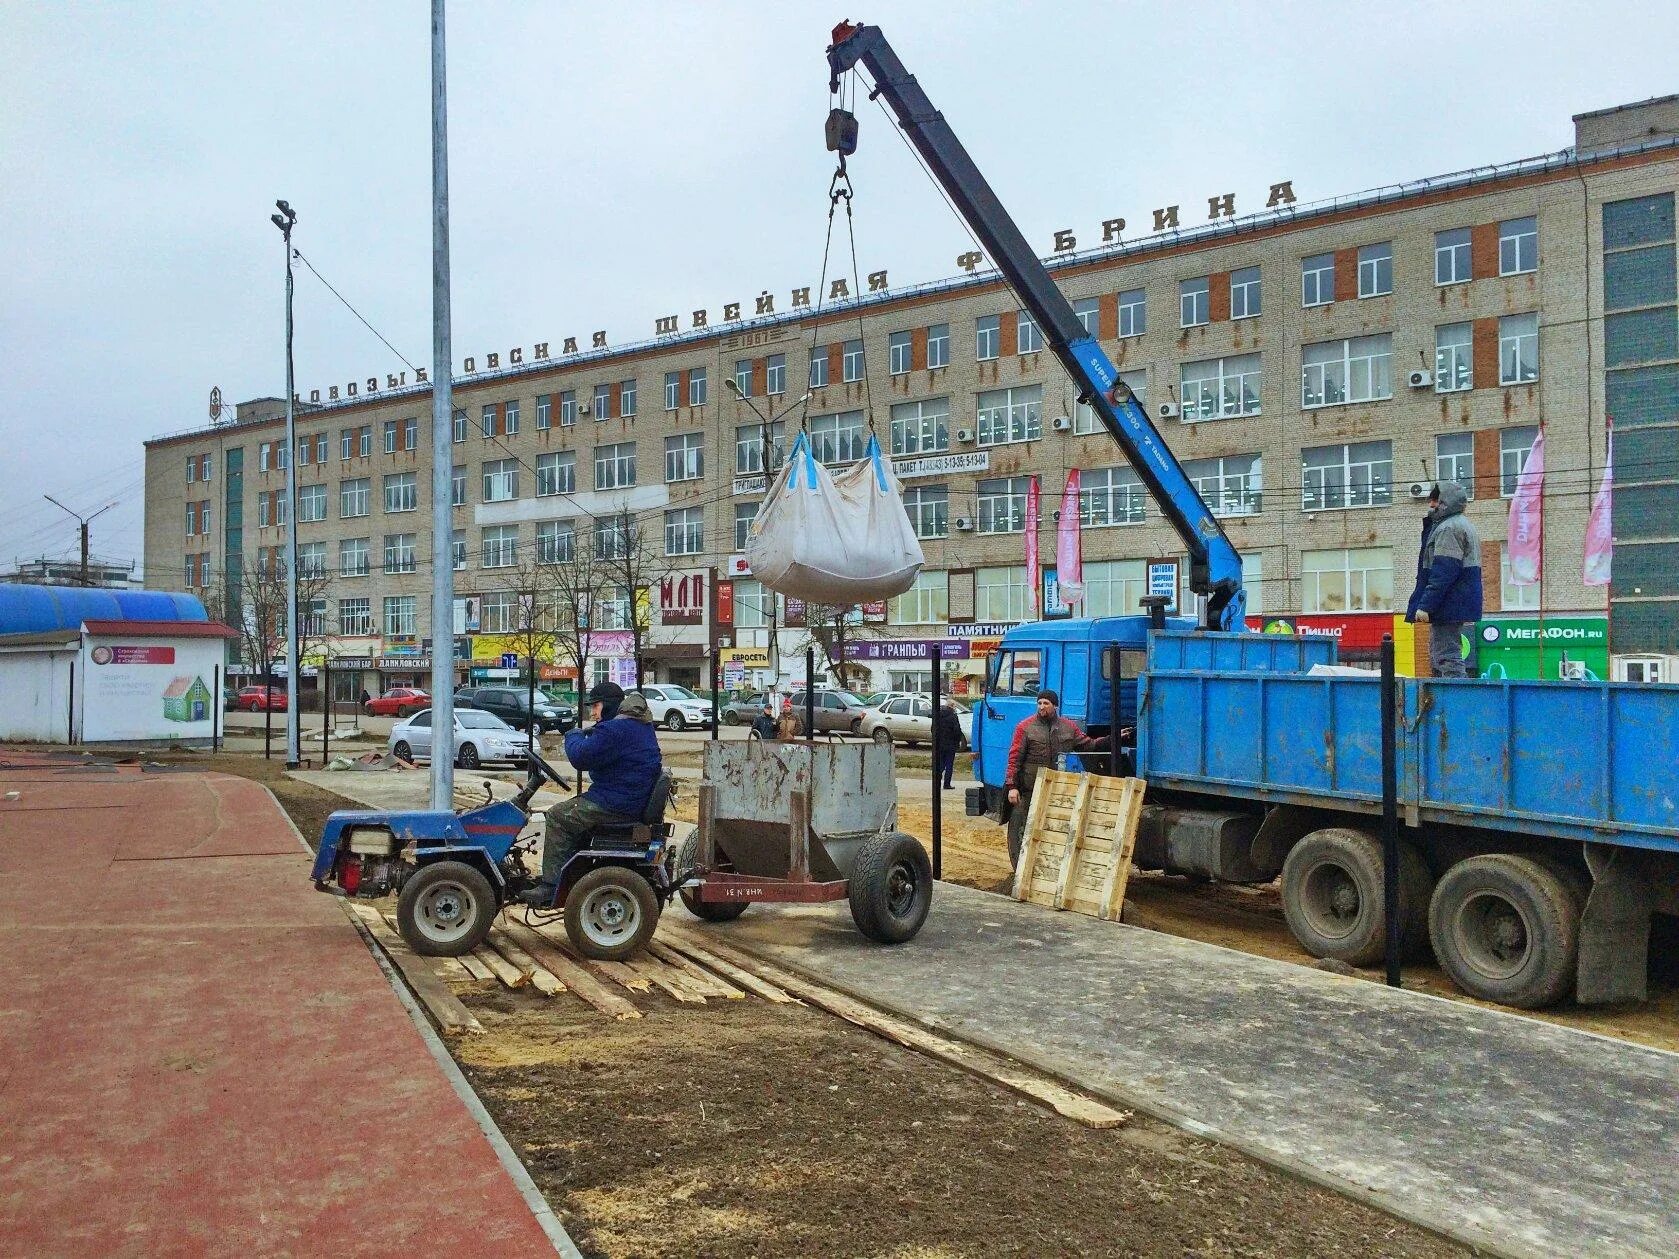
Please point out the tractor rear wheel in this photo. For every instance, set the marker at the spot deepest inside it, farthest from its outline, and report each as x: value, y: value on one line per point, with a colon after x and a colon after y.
x: 611, y: 913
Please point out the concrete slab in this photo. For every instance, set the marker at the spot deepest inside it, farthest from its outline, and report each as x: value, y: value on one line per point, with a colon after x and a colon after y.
x: 1517, y: 1136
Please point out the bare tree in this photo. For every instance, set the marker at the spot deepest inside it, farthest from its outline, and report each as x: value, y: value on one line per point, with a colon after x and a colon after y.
x: 834, y: 628
x: 538, y: 616
x: 633, y: 559
x: 254, y: 603
x: 576, y: 583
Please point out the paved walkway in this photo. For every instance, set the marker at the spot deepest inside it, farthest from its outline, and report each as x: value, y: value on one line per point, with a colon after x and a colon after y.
x: 198, y: 1054
x: 1512, y: 1134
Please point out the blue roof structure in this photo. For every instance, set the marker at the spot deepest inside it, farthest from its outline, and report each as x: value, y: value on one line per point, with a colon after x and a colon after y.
x: 26, y: 609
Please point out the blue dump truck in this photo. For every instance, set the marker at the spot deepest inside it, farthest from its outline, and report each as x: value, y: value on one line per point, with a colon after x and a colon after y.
x: 1540, y: 820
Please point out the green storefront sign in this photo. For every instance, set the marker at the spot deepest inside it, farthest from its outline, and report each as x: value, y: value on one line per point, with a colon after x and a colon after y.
x: 1553, y: 647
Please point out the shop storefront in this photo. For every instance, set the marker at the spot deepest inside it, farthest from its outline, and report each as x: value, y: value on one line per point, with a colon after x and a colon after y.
x: 1569, y: 648
x: 403, y: 669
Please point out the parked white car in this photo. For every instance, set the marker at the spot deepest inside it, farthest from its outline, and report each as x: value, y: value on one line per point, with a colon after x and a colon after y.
x: 480, y: 738
x: 676, y: 707
x: 901, y: 719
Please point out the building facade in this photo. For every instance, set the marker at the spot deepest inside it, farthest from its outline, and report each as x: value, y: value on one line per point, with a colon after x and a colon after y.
x: 1316, y: 368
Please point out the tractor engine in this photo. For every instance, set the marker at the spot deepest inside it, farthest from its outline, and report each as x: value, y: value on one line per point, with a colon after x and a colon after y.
x: 370, y: 864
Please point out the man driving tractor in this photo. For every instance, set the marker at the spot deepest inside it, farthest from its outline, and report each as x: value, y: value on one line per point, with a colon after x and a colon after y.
x: 621, y: 755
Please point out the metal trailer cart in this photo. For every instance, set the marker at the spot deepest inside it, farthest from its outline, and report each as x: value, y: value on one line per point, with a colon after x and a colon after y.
x: 805, y: 823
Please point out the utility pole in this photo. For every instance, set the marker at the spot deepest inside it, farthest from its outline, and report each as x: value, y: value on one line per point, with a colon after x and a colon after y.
x: 442, y: 442
x: 84, y: 522
x: 294, y: 753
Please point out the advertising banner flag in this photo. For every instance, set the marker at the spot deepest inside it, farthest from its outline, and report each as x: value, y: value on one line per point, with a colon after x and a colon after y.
x: 1526, y: 532
x: 1600, y: 539
x: 1069, y: 563
x: 1032, y: 544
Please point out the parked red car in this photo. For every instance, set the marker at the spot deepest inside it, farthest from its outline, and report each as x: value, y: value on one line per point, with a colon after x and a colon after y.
x: 399, y: 701
x: 257, y: 699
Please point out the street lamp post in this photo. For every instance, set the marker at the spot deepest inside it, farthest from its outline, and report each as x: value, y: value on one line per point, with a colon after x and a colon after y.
x: 84, y: 522
x: 294, y: 755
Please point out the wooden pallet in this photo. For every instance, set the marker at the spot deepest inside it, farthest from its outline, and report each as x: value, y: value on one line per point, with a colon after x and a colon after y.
x: 1076, y: 852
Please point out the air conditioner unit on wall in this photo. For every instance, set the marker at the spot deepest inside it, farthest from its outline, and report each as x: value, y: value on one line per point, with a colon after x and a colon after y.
x: 1167, y: 410
x: 964, y: 524
x: 1420, y: 379
x: 1061, y: 424
x: 1421, y: 489
x: 964, y: 434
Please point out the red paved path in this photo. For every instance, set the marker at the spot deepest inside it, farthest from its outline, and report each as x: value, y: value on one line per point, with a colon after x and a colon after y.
x: 197, y: 1053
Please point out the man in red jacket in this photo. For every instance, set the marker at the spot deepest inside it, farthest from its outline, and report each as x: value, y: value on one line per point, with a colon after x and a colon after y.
x: 1039, y: 742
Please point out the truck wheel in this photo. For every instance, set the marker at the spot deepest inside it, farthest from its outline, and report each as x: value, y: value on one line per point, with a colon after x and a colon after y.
x: 1507, y: 929
x: 446, y: 909
x: 1332, y: 895
x: 611, y: 913
x: 710, y: 911
x: 891, y: 888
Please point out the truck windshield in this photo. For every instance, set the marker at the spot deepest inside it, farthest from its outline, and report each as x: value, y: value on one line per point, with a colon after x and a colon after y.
x: 1018, y: 672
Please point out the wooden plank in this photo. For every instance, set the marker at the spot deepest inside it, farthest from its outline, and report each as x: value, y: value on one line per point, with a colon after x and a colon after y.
x: 568, y: 972
x: 617, y: 972
x: 452, y: 1017
x: 1075, y: 836
x: 1125, y: 843
x: 540, y: 977
x: 684, y: 944
x: 712, y: 984
x: 475, y: 968
x: 511, y: 976
x: 1029, y: 843
x: 446, y: 967
x: 666, y: 977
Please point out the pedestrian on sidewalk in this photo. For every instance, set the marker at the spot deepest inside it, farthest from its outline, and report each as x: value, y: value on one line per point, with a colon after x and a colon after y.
x: 1039, y: 743
x: 1448, y: 592
x: 950, y: 739
x: 763, y: 725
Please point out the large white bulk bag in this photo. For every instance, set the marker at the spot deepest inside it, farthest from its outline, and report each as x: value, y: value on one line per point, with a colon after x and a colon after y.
x: 834, y: 540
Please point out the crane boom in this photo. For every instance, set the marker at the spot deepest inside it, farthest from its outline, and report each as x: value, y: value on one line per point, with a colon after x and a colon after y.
x: 1215, y: 567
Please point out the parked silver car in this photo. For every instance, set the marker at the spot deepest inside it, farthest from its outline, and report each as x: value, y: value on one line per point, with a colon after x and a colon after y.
x: 901, y: 719
x: 480, y: 738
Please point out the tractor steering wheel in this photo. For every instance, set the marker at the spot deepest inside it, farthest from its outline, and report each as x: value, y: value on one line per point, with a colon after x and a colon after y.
x: 542, y: 768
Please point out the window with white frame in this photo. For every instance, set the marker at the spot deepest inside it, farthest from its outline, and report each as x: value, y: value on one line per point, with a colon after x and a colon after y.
x: 928, y: 507
x: 1011, y: 415
x: 921, y: 428
x: 1194, y: 302
x: 1244, y: 293
x: 603, y: 403
x: 1084, y: 415
x: 355, y: 498
x: 399, y: 616
x: 311, y: 503
x: 1375, y: 269
x: 898, y: 353
x: 568, y: 408
x: 498, y: 612
x: 411, y: 434
x: 1028, y: 337
x: 1454, y: 460
x: 1088, y: 311
x: 613, y: 535
x: 612, y: 609
x: 390, y: 437
x: 1518, y: 349
x: 555, y: 540
x: 1514, y: 446
x: 1514, y: 596
x: 1358, y: 579
x: 457, y: 549
x: 544, y: 412
x: 501, y: 480
x: 749, y: 446
x: 1111, y: 496
x: 192, y: 470
x: 851, y: 362
x: 399, y: 552
x: 510, y: 417
x: 615, y: 466
x: 311, y: 559
x: 775, y: 374
x: 487, y: 420
x: 355, y: 617
x: 938, y: 345
x: 556, y: 473
x: 264, y: 456
x: 1358, y: 474
x: 1231, y: 485
x: 1113, y: 587
x: 1133, y: 313
x: 346, y: 443
x: 1001, y: 503
x: 837, y: 438
x: 673, y: 390
x: 352, y: 557
x: 743, y: 377
x: 311, y: 618
x: 988, y: 337
x: 754, y: 604
x: 457, y: 485
x: 1001, y: 594
x: 305, y: 446
x: 685, y: 531
x: 819, y: 367
x: 501, y: 546
x: 458, y: 426
x: 927, y: 602
x: 1454, y: 357
x: 401, y: 492
x: 627, y: 398
x: 685, y: 457
x: 1218, y: 388
x: 1358, y: 369
x: 696, y: 387
x: 320, y: 448
x: 1317, y: 280
x: 1451, y: 257
x: 1518, y: 246
x: 745, y: 514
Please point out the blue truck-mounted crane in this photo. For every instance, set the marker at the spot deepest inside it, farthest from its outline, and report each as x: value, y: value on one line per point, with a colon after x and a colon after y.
x: 1541, y: 819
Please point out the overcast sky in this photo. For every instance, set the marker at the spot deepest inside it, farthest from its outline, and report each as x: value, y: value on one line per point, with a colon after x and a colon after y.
x: 614, y: 162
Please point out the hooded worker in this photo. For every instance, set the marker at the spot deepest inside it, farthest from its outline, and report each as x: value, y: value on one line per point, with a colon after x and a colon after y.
x: 1039, y: 743
x: 1447, y: 597
x: 621, y: 755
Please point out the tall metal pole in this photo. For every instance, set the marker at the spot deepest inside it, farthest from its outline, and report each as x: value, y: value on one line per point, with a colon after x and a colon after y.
x: 294, y: 753
x: 442, y: 440
x: 935, y: 660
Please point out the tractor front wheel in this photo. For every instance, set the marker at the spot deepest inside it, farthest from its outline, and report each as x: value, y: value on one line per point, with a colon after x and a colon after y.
x: 611, y: 914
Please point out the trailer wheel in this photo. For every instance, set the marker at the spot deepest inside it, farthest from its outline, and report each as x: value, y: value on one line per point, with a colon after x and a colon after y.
x: 446, y: 909
x: 611, y: 913
x: 1332, y: 896
x: 687, y: 857
x: 891, y: 888
x: 1507, y: 928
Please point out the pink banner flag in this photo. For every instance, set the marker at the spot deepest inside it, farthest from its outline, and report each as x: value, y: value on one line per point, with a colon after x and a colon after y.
x: 1600, y: 538
x: 1032, y: 576
x: 1069, y: 564
x: 1526, y: 532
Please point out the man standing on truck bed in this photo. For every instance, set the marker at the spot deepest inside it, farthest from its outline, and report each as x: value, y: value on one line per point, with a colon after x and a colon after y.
x: 1039, y: 742
x: 1448, y: 593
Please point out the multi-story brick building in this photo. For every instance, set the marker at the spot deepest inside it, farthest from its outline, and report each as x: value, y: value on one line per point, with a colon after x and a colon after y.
x: 1314, y: 366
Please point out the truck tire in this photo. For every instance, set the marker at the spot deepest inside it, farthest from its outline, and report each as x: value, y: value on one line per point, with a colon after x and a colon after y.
x: 446, y: 909
x: 1332, y: 896
x: 891, y: 888
x: 1506, y: 928
x: 711, y: 911
x: 611, y: 913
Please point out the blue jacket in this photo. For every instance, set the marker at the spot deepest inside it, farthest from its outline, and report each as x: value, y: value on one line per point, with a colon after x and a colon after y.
x: 623, y: 762
x: 1448, y: 563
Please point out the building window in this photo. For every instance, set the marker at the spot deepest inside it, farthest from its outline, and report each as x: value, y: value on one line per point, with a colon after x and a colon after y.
x: 346, y: 443
x: 365, y: 441
x: 1111, y: 496
x: 819, y: 367
x: 1518, y: 349
x: 1088, y: 311
x: 263, y: 456
x: 1244, y: 293
x: 603, y: 403
x: 921, y: 428
x: 459, y: 426
x: 1356, y: 475
x: 1333, y: 373
x: 1001, y: 594
x: 1230, y: 484
x: 1028, y: 337
x: 555, y: 541
x: 1355, y: 580
x: 1113, y: 587
x: 401, y: 492
x: 1218, y: 388
x: 615, y: 466
x: 745, y: 514
x: 1454, y: 460
x: 1133, y: 313
x: 1084, y: 415
x: 352, y: 557
x: 988, y: 337
x: 851, y: 362
x: 673, y: 390
x: 1002, y: 505
x: 501, y: 480
x: 556, y: 473
x: 743, y: 377
x: 749, y: 446
x: 1317, y: 280
x: 487, y: 420
x: 311, y: 559
x: 612, y: 537
x: 1513, y: 596
x: 1194, y: 302
x: 498, y: 612
x: 320, y: 448
x: 928, y: 507
x: 837, y: 438
x: 390, y: 437
x: 1375, y: 270
x: 775, y: 374
x: 685, y: 531
x: 457, y: 549
x: 399, y: 552
x: 204, y: 515
x: 1451, y: 256
x: 501, y: 546
x: 399, y: 616
x: 457, y: 485
x: 685, y: 457
x: 355, y: 617
x: 897, y: 353
x: 1518, y: 246
x: 192, y: 471
x: 938, y: 345
x: 1454, y: 357
x: 568, y: 408
x: 411, y: 434
x: 192, y: 519
x: 626, y: 399
x: 1011, y: 415
x: 1514, y: 444
x: 311, y: 504
x: 927, y: 602
x: 510, y: 418
x: 753, y: 605
x: 544, y: 412
x: 696, y: 387
x: 304, y: 446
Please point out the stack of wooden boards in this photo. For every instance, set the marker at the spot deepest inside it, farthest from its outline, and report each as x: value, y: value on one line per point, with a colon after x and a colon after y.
x: 1076, y: 848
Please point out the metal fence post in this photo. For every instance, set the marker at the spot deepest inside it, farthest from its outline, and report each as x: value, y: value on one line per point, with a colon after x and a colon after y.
x: 1390, y: 813
x: 326, y: 709
x: 934, y: 659
x: 215, y: 712
x: 810, y: 694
